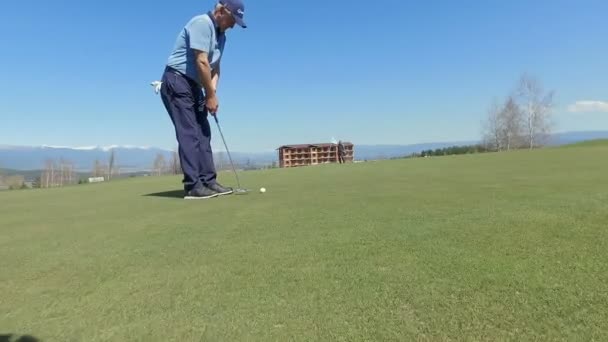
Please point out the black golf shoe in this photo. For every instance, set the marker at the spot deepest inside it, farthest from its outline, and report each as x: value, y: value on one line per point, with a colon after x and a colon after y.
x: 220, y: 189
x: 200, y: 193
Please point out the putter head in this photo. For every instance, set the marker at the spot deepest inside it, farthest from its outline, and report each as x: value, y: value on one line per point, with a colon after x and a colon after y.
x: 240, y: 191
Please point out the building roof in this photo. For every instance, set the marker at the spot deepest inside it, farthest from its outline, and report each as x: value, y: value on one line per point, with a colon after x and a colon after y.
x: 314, y: 145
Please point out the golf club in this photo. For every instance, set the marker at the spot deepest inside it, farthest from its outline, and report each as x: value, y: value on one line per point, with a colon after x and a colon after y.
x: 239, y: 190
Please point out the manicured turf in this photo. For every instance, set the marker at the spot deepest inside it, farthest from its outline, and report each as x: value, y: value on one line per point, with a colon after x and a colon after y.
x: 476, y: 247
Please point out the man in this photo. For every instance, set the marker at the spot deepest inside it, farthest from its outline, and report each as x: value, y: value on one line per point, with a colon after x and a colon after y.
x: 188, y: 91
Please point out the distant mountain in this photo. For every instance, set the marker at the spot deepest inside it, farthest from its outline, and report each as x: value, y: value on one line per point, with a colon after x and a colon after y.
x: 370, y: 152
x: 133, y: 158
x: 565, y: 138
x: 34, y: 157
x: 128, y: 158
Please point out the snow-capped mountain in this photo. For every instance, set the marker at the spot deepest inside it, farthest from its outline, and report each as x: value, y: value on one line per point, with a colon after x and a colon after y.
x: 83, y: 158
x: 127, y: 158
x: 138, y: 158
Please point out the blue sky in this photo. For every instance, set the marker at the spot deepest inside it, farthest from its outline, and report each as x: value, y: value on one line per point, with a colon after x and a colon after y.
x: 77, y: 73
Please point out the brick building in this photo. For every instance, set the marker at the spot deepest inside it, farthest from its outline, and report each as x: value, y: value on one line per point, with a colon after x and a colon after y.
x: 313, y: 154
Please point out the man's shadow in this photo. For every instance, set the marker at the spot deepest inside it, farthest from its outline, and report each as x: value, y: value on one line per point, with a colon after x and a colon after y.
x: 167, y: 194
x: 24, y: 338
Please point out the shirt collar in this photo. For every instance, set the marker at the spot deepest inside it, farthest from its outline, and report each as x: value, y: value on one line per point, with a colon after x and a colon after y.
x: 217, y: 28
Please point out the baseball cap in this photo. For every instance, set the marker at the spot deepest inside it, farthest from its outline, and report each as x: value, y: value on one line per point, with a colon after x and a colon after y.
x: 237, y: 8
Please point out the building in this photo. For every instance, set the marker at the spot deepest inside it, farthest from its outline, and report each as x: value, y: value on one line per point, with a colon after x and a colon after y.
x: 313, y: 154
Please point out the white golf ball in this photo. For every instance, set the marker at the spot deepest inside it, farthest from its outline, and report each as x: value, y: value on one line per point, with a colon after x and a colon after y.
x: 262, y: 190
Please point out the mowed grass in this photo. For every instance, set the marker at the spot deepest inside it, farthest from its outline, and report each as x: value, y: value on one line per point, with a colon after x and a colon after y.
x: 508, y: 246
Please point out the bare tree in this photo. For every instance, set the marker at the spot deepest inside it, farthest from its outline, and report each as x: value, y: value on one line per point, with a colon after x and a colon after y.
x: 511, y: 124
x: 111, y: 164
x: 47, y: 179
x: 537, y: 107
x: 55, y: 174
x: 176, y: 167
x: 67, y: 172
x: 220, y: 160
x: 159, y: 164
x: 72, y: 177
x: 53, y: 182
x: 15, y: 182
x: 43, y: 176
x: 99, y: 170
x: 492, y: 128
x: 95, y: 168
x: 62, y: 172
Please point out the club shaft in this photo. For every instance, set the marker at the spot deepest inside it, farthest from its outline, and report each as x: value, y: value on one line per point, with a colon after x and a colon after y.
x: 219, y: 128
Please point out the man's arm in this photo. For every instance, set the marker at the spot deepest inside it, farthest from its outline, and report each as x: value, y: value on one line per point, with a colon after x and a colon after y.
x: 204, y: 73
x: 216, y: 77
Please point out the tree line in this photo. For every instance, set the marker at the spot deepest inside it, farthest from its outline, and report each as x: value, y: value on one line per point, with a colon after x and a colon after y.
x: 452, y: 150
x: 63, y: 172
x: 56, y: 174
x: 13, y: 182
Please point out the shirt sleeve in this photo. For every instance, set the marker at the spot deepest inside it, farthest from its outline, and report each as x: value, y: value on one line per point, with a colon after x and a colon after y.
x: 199, y: 33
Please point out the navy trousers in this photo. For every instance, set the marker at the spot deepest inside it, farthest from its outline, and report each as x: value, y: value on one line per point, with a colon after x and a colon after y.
x: 185, y: 103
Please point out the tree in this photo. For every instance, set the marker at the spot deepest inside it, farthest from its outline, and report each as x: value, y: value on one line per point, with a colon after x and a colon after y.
x: 159, y: 164
x: 61, y: 172
x: 492, y: 128
x: 52, y: 174
x: 111, y: 164
x: 176, y: 167
x: 71, y: 174
x: 15, y: 182
x: 537, y: 107
x: 249, y: 165
x: 220, y: 160
x: 99, y: 170
x: 47, y: 178
x: 511, y: 124
x: 65, y: 174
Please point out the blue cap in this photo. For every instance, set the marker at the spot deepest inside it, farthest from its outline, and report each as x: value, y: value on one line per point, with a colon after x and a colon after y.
x: 237, y: 8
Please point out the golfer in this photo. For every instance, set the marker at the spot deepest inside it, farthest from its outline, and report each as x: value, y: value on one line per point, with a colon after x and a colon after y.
x: 188, y: 91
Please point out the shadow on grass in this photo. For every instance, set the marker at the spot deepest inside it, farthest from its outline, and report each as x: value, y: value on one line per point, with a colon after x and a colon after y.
x: 24, y: 338
x: 167, y: 194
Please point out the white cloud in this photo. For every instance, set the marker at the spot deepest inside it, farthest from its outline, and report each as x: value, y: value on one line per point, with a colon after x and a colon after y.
x: 589, y: 107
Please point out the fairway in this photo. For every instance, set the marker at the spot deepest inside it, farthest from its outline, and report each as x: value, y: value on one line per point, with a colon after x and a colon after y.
x: 501, y: 246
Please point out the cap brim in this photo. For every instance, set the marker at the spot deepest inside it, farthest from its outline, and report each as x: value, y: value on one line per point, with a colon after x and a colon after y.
x: 240, y: 22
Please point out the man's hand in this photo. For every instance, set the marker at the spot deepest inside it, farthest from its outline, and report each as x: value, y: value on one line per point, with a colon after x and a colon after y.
x: 204, y: 73
x: 212, y: 103
x: 215, y: 77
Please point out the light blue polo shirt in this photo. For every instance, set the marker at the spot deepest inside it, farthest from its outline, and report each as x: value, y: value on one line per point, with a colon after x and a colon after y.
x: 200, y: 33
